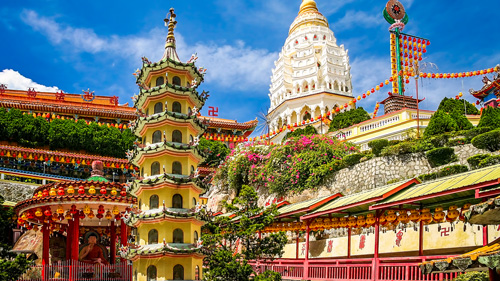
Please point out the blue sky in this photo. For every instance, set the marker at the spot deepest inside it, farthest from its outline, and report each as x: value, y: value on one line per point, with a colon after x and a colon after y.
x: 98, y: 44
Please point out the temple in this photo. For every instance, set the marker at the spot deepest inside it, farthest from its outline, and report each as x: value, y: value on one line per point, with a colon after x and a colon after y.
x: 489, y: 95
x: 166, y: 225
x: 312, y: 74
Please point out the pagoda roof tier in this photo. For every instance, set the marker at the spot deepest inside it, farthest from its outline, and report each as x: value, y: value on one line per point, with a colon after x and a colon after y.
x: 170, y: 148
x: 62, y: 157
x: 159, y: 250
x: 219, y: 123
x: 164, y: 181
x: 488, y: 87
x: 169, y: 90
x: 162, y: 214
x: 70, y: 104
x: 149, y: 69
x: 159, y: 119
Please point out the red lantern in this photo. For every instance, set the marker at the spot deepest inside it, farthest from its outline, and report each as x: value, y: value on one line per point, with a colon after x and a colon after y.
x: 47, y: 213
x: 60, y: 191
x: 123, y: 192
x: 81, y: 190
x: 45, y: 193
x: 102, y: 190
x: 364, y: 96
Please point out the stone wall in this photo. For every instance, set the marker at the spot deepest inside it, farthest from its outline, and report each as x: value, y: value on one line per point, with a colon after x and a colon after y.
x: 370, y: 174
x: 15, y: 192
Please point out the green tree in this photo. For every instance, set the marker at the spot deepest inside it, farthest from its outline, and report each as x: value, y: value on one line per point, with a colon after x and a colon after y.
x: 450, y: 104
x: 348, y: 118
x: 307, y: 131
x: 490, y: 118
x: 11, y: 265
x: 461, y: 120
x: 440, y: 122
x: 223, y: 235
x: 216, y: 150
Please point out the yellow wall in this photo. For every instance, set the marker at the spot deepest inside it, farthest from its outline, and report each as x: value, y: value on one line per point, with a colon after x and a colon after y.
x: 168, y: 161
x: 165, y: 230
x: 165, y: 268
x: 167, y: 194
x: 170, y: 103
x: 186, y: 132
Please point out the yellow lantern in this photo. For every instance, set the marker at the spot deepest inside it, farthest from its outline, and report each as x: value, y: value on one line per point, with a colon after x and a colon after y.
x: 391, y: 216
x: 39, y: 194
x: 361, y: 221
x: 113, y: 191
x: 351, y: 221
x: 115, y: 211
x: 370, y: 219
x: 52, y: 191
x: 414, y: 216
x: 86, y: 209
x: 460, y: 94
x: 335, y: 222
x: 453, y: 213
x: 108, y: 216
x: 68, y: 216
x: 38, y: 212
x: 92, y: 189
x: 382, y: 220
x: 91, y: 215
x: 426, y: 216
x: 403, y: 217
x: 70, y: 190
x: 439, y: 215
x: 60, y: 209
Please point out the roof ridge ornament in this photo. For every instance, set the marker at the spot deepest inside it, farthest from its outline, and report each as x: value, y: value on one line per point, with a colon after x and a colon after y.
x: 171, y: 23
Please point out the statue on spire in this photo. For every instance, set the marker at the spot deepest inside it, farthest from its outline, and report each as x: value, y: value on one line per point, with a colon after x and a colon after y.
x: 171, y: 23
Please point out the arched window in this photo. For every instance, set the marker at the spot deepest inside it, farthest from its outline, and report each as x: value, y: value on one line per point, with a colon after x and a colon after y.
x: 155, y: 168
x: 140, y: 204
x: 307, y: 116
x: 197, y: 273
x: 176, y: 168
x: 178, y: 272
x: 190, y: 111
x: 142, y: 172
x: 160, y: 81
x: 195, y: 236
x: 152, y: 273
x: 158, y: 107
x: 157, y: 136
x: 194, y: 202
x: 191, y: 139
x: 192, y: 170
x: 176, y: 80
x: 153, y: 236
x: 154, y: 202
x: 176, y: 107
x: 178, y: 236
x: 177, y: 201
x: 177, y: 136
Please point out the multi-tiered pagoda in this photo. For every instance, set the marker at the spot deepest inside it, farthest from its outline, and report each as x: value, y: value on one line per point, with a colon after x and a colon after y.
x: 166, y: 227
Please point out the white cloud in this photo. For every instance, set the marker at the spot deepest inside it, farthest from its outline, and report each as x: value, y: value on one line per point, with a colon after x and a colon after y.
x: 358, y: 18
x: 16, y: 81
x: 237, y: 66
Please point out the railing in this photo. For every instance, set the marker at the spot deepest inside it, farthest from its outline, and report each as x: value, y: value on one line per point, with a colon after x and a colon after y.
x: 74, y: 270
x: 383, y: 269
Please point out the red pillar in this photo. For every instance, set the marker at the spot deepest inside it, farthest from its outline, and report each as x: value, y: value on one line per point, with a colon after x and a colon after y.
x: 485, y: 235
x: 349, y: 242
x: 375, y: 272
x: 75, y: 251
x: 45, y: 250
x: 306, y: 260
x: 123, y: 235
x: 297, y: 245
x: 69, y: 237
x: 112, y: 258
x: 421, y: 239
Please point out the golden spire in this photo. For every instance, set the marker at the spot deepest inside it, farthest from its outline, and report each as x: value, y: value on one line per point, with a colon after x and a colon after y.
x: 308, y: 6
x: 171, y: 23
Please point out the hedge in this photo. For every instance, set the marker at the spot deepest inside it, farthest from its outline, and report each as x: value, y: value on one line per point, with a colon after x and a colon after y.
x: 476, y: 159
x: 446, y: 171
x: 489, y: 161
x: 307, y: 131
x: 473, y: 276
x: 353, y: 159
x: 489, y: 141
x: 398, y: 149
x: 441, y: 156
x: 378, y: 145
x: 490, y: 117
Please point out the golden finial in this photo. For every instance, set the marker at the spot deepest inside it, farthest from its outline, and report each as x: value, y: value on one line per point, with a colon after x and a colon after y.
x: 308, y: 6
x: 171, y: 23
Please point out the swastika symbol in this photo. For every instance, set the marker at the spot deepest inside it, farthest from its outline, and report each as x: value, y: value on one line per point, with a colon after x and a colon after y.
x: 213, y: 111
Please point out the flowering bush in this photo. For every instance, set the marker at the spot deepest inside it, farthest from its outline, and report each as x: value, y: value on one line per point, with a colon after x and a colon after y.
x: 299, y: 163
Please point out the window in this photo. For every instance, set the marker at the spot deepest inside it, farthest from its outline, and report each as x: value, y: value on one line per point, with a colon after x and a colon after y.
x: 176, y: 107
x: 160, y: 81
x: 190, y: 111
x: 192, y: 170
x: 153, y: 236
x: 155, y: 168
x: 140, y: 204
x: 158, y: 107
x: 142, y: 172
x: 197, y: 273
x: 191, y: 139
x: 157, y: 136
x: 154, y: 202
x: 195, y: 236
x: 178, y: 236
x: 176, y: 80
x: 307, y: 116
x: 177, y: 201
x: 152, y: 273
x: 176, y: 168
x: 177, y: 136
x: 178, y: 272
x: 194, y: 202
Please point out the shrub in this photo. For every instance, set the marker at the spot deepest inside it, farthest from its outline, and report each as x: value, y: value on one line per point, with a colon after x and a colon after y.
x: 439, y: 140
x: 353, y: 159
x: 421, y: 145
x: 489, y: 161
x: 378, y: 145
x: 490, y: 117
x: 457, y: 142
x: 398, y: 149
x: 440, y: 156
x: 446, y: 171
x: 348, y: 118
x: 268, y: 275
x: 489, y: 141
x: 441, y: 122
x: 307, y: 131
x: 472, y: 133
x: 473, y: 276
x: 216, y: 151
x: 461, y: 120
x: 450, y: 104
x: 476, y: 159
x: 394, y: 142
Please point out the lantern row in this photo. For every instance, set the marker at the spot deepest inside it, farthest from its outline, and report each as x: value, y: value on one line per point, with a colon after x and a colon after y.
x: 391, y: 218
x: 460, y: 74
x: 49, y: 117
